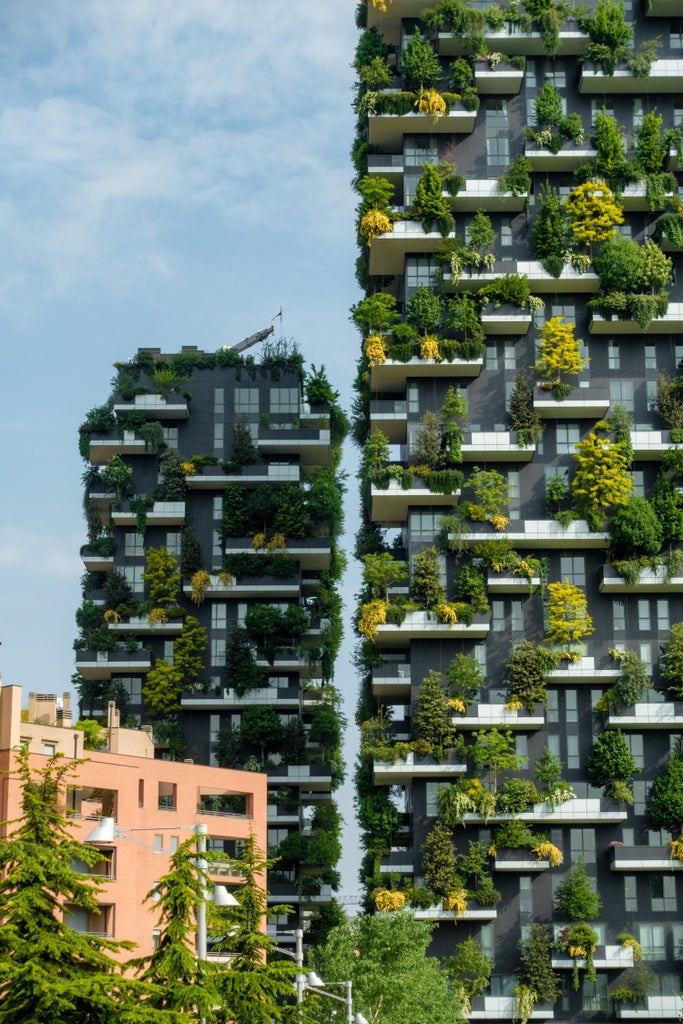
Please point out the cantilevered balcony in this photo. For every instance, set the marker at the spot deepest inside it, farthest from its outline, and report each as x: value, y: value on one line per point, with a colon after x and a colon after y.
x: 392, y: 374
x: 494, y: 1008
x: 311, y: 445
x: 495, y: 446
x: 473, y: 913
x: 485, y: 716
x: 212, y: 478
x: 540, y: 281
x: 390, y: 504
x: 670, y: 323
x: 643, y: 858
x: 103, y: 446
x: 675, y: 159
x: 665, y: 76
x: 509, y: 583
x: 650, y: 445
x: 391, y: 681
x: 580, y: 811
x: 423, y: 626
x: 388, y: 251
x: 287, y: 660
x: 581, y: 403
x: 391, y: 417
x: 291, y: 892
x: 161, y: 513
x: 485, y: 194
x: 105, y: 664
x: 657, y: 1008
x: 309, y: 552
x: 634, y: 197
x: 505, y: 319
x: 504, y: 80
x: 140, y: 624
x: 95, y: 562
x: 585, y: 670
x: 519, y: 859
x: 309, y: 778
x: 388, y: 129
x: 155, y: 407
x: 605, y: 958
x: 650, y: 581
x: 568, y: 157
x: 536, y: 533
x: 663, y: 8
x: 249, y: 586
x: 284, y: 698
x: 655, y: 715
x: 402, y: 771
x: 514, y: 41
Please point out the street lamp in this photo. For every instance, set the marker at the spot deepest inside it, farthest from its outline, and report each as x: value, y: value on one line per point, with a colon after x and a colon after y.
x: 312, y: 983
x: 107, y: 832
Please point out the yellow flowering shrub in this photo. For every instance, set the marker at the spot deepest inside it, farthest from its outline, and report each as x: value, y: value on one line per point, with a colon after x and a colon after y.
x: 677, y: 850
x: 631, y: 942
x: 111, y: 616
x: 386, y: 900
x: 276, y: 543
x: 375, y: 349
x: 226, y: 578
x: 457, y: 705
x: 374, y: 223
x: 514, y: 705
x: 372, y: 614
x: 429, y: 349
x: 188, y: 468
x: 550, y: 852
x: 200, y: 581
x: 157, y: 616
x: 455, y: 901
x: 258, y: 541
x: 524, y: 568
x: 499, y: 522
x: 431, y: 102
x: 381, y: 5
x: 446, y: 613
x: 477, y: 513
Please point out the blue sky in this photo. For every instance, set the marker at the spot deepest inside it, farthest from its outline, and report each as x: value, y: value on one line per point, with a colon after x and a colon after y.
x: 173, y: 172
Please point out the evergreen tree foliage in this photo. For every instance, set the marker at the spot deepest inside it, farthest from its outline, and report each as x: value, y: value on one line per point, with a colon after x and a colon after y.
x: 567, y: 618
x: 420, y: 66
x: 426, y: 587
x: 610, y: 760
x: 665, y: 799
x: 162, y: 576
x: 575, y: 897
x: 439, y: 860
x: 671, y: 659
x: 536, y: 969
x: 493, y: 751
x: 432, y: 715
x: 525, y: 676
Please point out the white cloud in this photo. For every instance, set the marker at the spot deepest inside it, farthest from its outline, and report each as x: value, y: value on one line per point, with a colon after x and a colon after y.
x: 39, y: 555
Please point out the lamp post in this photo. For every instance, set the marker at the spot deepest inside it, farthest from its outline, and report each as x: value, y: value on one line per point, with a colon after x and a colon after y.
x: 312, y: 983
x: 107, y: 831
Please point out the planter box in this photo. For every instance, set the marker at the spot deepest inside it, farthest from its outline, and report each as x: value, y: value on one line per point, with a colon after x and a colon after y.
x: 664, y: 715
x: 535, y: 533
x: 505, y: 80
x: 643, y: 858
x: 670, y: 323
x: 519, y: 860
x: 581, y: 403
x: 401, y: 772
x: 605, y: 958
x: 665, y: 76
x: 585, y: 670
x: 388, y: 129
x: 422, y: 625
x: 155, y: 407
x: 392, y: 375
x: 485, y: 716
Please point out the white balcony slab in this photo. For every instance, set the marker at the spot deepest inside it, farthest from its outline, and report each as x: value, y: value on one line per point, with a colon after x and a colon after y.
x: 570, y: 156
x: 392, y: 374
x: 503, y: 81
x: 129, y: 443
x: 485, y: 716
x: 580, y: 810
x: 670, y: 323
x: 155, y: 407
x: 605, y: 958
x: 391, y: 681
x: 643, y: 858
x: 583, y: 670
x: 649, y: 445
x: 534, y: 533
x: 519, y: 860
x: 485, y: 194
x: 493, y: 1008
x: 499, y: 322
x: 650, y: 581
x: 211, y: 478
x: 161, y: 513
x: 401, y: 771
x: 655, y: 715
x: 508, y: 583
x: 390, y: 505
x: 515, y: 42
x: 580, y: 403
x: 423, y: 625
x: 495, y: 446
x: 656, y: 1008
x: 666, y: 76
x: 389, y: 129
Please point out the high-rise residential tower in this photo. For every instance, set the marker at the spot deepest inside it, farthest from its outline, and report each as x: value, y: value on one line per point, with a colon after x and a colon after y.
x: 519, y: 409
x: 210, y: 606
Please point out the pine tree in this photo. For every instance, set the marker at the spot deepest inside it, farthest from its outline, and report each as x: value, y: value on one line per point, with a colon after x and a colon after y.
x: 162, y: 576
x: 432, y: 715
x: 439, y: 860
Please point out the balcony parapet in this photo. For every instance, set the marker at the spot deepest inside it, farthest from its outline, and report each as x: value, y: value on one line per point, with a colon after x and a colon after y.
x: 507, y: 583
x: 389, y: 129
x: 311, y: 445
x: 665, y: 76
x: 392, y: 374
x: 651, y: 580
x: 422, y: 625
x: 308, y: 777
x: 651, y: 444
x: 605, y: 958
x: 403, y: 770
x: 390, y: 504
x: 490, y: 1008
x: 533, y: 533
x: 643, y: 858
x: 495, y: 446
x: 505, y: 319
x: 656, y: 1008
x: 249, y: 586
x: 143, y: 624
x: 485, y: 716
x: 104, y: 664
x: 670, y: 323
x: 155, y: 407
x: 584, y: 670
x: 654, y: 715
x: 309, y: 552
x: 505, y: 80
x: 570, y: 156
x: 161, y: 513
x: 580, y: 810
x: 519, y: 860
x: 210, y: 478
x: 580, y: 403
x: 514, y: 41
x: 391, y: 681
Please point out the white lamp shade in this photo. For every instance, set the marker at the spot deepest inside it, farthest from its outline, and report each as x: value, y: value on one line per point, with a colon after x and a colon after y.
x: 222, y: 897
x: 313, y: 981
x: 102, y: 833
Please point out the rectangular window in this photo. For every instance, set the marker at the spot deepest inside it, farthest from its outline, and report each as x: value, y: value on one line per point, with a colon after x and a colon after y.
x: 219, y: 613
x: 247, y: 401
x: 573, y: 568
x: 677, y: 936
x: 635, y: 745
x: 173, y: 844
x: 168, y: 795
x: 645, y: 654
x: 497, y: 616
x: 571, y: 709
x: 630, y: 894
x: 566, y: 438
x: 218, y: 651
x: 618, y: 616
x: 420, y: 270
x: 573, y: 759
x: 173, y: 542
x: 676, y: 35
x: 510, y: 361
x: 413, y: 398
x: 662, y: 893
x: 613, y: 361
x: 621, y: 393
x: 638, y: 478
x: 480, y: 657
x: 662, y: 613
x: 525, y: 901
x: 420, y: 149
x: 132, y: 685
x: 644, y: 616
x: 601, y: 106
x: 423, y: 527
x: 638, y: 111
x: 133, y: 545
x: 530, y: 76
x: 505, y: 231
x: 497, y: 128
x: 284, y: 400
x: 652, y: 941
x: 557, y: 77
x: 565, y: 309
x: 158, y: 844
x: 650, y: 357
x: 491, y: 358
x: 218, y: 436
x: 133, y: 574
x: 595, y: 995
x: 219, y: 400
x: 516, y: 616
x: 552, y: 707
x: 171, y: 437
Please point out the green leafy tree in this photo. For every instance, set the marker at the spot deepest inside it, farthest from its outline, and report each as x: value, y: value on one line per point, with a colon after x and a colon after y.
x: 173, y: 479
x: 602, y: 478
x: 671, y: 659
x: 426, y: 448
x: 430, y: 206
x: 432, y: 715
x: 381, y: 571
x: 490, y: 489
x: 610, y: 162
x: 439, y: 860
x: 375, y: 314
x: 549, y: 231
x: 525, y: 677
x: 426, y: 587
x: 493, y: 751
x: 420, y: 66
x: 116, y: 474
x: 650, y: 148
x: 634, y: 681
x: 326, y: 729
x: 535, y: 970
x: 228, y: 747
x: 261, y: 725
x: 635, y: 530
x: 93, y: 733
x: 190, y: 553
x: 188, y: 648
x: 162, y: 576
x: 668, y: 508
x: 465, y: 677
x: 665, y: 798
x: 567, y: 618
x: 257, y: 987
x: 241, y: 670
x: 243, y: 451
x: 385, y: 957
x: 49, y: 971
x: 559, y: 351
x: 593, y: 212
x: 470, y: 968
x: 424, y: 310
x: 610, y: 760
x: 576, y: 898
